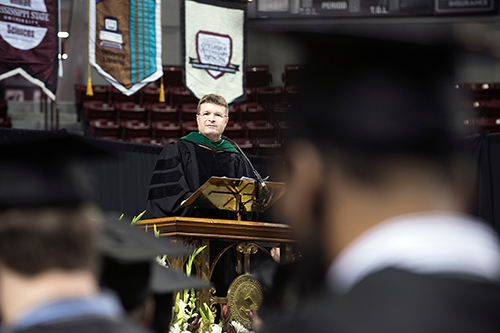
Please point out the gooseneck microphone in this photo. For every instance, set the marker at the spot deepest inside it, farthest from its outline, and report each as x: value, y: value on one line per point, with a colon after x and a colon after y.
x: 257, y: 175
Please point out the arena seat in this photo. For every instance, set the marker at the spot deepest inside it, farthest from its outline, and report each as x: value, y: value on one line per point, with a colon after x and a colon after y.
x: 172, y: 76
x: 131, y: 111
x: 260, y: 129
x: 5, y: 122
x: 166, y: 129
x: 269, y: 147
x: 98, y: 110
x: 188, y: 127
x: 146, y: 140
x: 488, y: 124
x: 105, y: 128
x: 135, y: 129
x: 3, y: 108
x: 269, y: 96
x: 292, y: 95
x: 252, y: 111
x: 180, y: 96
x: 188, y: 112
x: 258, y: 76
x: 292, y: 75
x: 247, y: 145
x: 151, y: 94
x: 162, y: 112
x: 479, y: 91
x: 491, y: 108
x: 234, y: 130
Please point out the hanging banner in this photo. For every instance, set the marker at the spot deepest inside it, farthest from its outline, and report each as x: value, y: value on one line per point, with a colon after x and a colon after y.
x: 28, y: 42
x: 214, y: 48
x: 125, y: 42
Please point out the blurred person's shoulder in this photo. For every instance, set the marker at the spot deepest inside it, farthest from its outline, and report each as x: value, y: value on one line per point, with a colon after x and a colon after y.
x: 395, y: 300
x: 86, y: 325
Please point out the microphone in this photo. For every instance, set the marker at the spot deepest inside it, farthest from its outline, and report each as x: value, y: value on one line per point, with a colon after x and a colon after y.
x: 257, y: 175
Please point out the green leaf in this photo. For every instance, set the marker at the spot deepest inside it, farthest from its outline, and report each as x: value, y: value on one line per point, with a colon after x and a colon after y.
x: 202, y: 313
x: 199, y: 250
x: 137, y: 218
x: 121, y: 216
x: 210, y: 315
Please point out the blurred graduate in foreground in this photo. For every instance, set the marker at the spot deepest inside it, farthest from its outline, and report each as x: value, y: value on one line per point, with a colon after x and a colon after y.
x: 377, y: 200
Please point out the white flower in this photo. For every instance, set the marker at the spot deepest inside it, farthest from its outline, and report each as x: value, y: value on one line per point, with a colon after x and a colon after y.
x: 182, y: 306
x: 239, y: 327
x: 161, y: 260
x: 214, y: 328
x: 175, y: 329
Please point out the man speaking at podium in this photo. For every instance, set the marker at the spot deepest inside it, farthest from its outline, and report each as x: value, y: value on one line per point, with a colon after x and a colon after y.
x: 186, y: 164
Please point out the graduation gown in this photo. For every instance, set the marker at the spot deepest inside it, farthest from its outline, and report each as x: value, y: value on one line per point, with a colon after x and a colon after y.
x: 182, y: 167
x: 421, y: 272
x: 394, y: 300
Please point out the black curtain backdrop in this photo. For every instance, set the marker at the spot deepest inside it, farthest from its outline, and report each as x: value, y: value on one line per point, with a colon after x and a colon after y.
x: 121, y: 185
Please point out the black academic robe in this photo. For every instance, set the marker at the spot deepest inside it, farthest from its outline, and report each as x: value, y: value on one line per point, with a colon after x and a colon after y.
x: 394, y: 301
x: 84, y: 325
x: 182, y: 167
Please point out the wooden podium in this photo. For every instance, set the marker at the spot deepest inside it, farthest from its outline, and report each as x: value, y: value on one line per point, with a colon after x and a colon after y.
x: 245, y: 236
x: 238, y: 195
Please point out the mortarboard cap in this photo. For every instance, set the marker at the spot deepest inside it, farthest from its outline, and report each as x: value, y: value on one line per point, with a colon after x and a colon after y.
x: 167, y: 280
x: 128, y: 266
x: 378, y: 96
x: 46, y: 172
x: 130, y: 244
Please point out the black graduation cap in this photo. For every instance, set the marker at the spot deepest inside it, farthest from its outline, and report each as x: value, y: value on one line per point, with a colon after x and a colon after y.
x: 167, y: 280
x: 379, y: 95
x: 46, y: 172
x: 130, y: 244
x: 129, y: 267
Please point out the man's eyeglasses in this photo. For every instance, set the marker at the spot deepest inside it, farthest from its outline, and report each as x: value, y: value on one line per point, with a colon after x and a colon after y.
x: 217, y: 115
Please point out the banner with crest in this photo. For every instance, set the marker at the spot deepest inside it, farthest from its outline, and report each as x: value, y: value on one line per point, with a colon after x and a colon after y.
x: 125, y: 42
x: 28, y: 42
x: 214, y: 48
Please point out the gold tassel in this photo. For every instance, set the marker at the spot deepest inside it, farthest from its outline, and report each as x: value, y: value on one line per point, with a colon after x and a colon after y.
x: 162, y: 91
x: 89, y: 87
x: 89, y: 82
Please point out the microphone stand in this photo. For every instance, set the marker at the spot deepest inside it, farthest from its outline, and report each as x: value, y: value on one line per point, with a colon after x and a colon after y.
x: 257, y: 175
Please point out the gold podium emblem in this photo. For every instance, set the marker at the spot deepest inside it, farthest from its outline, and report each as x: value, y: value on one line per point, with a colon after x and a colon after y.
x: 244, y: 295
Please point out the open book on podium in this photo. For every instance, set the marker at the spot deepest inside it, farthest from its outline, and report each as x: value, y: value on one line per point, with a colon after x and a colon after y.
x: 232, y: 194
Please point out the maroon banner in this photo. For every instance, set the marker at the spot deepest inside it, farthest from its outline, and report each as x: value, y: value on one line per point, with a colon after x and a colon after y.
x: 28, y: 42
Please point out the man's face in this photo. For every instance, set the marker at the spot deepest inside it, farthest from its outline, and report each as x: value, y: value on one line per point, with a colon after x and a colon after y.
x: 212, y: 121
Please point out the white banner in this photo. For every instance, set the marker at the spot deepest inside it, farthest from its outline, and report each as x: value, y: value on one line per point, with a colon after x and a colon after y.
x: 214, y: 48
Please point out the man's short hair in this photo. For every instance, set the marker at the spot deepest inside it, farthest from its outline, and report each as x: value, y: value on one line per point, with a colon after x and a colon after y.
x: 213, y: 99
x: 36, y: 240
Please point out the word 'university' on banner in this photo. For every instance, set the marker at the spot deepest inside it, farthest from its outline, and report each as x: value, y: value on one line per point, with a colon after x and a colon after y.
x: 214, y: 48
x: 28, y: 42
x: 125, y: 42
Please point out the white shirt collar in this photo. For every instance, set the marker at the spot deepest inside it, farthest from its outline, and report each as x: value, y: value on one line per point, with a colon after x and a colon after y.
x: 424, y: 243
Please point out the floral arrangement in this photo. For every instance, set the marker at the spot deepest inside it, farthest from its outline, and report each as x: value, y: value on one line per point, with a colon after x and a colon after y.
x: 189, y: 317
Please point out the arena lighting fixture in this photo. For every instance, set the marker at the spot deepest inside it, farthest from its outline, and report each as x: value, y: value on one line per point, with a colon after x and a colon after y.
x: 63, y: 34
